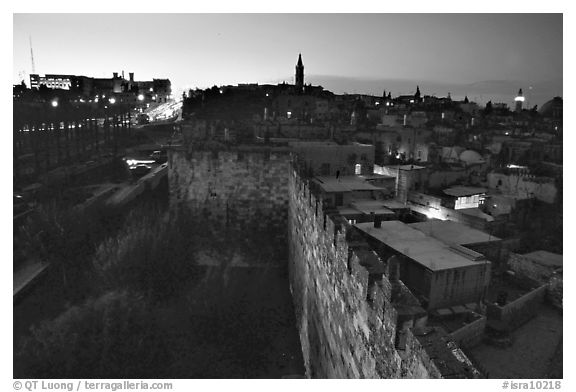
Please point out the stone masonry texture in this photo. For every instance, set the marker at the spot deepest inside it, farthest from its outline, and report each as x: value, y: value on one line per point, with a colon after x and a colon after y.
x: 346, y: 321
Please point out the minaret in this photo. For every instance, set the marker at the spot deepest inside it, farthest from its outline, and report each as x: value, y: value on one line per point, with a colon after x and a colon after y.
x: 299, y: 75
x: 417, y: 95
x: 519, y: 101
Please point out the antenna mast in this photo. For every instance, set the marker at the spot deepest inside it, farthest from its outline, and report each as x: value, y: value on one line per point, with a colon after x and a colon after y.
x: 32, y: 55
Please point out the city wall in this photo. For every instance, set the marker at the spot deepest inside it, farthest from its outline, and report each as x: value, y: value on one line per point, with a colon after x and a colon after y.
x: 242, y: 188
x: 343, y: 299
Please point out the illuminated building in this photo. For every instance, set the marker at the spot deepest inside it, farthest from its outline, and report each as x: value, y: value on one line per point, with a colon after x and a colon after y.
x: 519, y: 101
x: 461, y: 197
x: 52, y: 81
x: 158, y: 90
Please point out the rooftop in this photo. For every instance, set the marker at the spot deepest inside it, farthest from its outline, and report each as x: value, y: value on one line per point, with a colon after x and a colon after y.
x: 453, y: 232
x: 371, y: 206
x: 375, y: 176
x: 477, y: 213
x: 393, y: 204
x: 344, y: 184
x: 410, y: 167
x: 429, y: 252
x: 459, y: 191
x: 543, y: 257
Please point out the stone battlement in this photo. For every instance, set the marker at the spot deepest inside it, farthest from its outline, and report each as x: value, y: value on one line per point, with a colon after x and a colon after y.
x: 355, y: 318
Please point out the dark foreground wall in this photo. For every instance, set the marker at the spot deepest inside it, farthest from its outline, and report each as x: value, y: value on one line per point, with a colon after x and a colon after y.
x: 239, y: 188
x: 239, y: 198
x: 346, y: 320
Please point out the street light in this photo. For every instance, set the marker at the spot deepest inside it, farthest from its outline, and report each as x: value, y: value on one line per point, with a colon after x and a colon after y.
x: 141, y: 97
x: 54, y: 103
x: 112, y: 100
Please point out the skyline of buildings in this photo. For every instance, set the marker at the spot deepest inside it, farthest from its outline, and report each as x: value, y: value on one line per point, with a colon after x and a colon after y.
x: 461, y: 53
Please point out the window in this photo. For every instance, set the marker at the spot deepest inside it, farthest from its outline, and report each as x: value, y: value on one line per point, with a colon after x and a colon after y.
x: 358, y: 169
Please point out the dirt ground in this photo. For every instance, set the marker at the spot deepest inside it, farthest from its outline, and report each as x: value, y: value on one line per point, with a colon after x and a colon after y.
x: 536, y: 351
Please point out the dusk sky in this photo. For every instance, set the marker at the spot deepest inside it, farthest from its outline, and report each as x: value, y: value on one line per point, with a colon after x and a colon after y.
x: 481, y: 55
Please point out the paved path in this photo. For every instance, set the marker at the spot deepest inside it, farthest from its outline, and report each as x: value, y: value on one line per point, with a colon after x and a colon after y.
x: 534, y: 347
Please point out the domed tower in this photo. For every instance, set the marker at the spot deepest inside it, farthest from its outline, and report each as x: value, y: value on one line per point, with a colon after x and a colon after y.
x: 552, y: 108
x: 299, y: 84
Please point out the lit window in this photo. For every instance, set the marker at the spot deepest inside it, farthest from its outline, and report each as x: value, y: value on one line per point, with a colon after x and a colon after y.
x: 289, y: 114
x: 358, y: 169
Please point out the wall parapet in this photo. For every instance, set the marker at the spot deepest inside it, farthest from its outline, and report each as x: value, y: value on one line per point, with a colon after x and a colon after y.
x: 348, y: 322
x: 519, y: 311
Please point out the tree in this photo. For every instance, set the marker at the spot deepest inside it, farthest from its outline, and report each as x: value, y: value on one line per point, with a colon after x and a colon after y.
x: 151, y: 255
x: 64, y: 237
x: 112, y: 336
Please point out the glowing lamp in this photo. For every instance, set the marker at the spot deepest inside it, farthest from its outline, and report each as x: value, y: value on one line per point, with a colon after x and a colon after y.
x: 112, y: 100
x: 141, y: 97
x: 54, y: 103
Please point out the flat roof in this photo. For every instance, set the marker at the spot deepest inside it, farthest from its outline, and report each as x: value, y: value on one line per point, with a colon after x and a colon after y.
x: 344, y: 184
x: 394, y: 204
x: 404, y: 167
x: 371, y: 206
x: 426, y: 251
x: 410, y: 167
x: 348, y: 211
x: 376, y: 176
x: 453, y: 232
x: 477, y: 213
x: 464, y: 191
x: 545, y: 258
